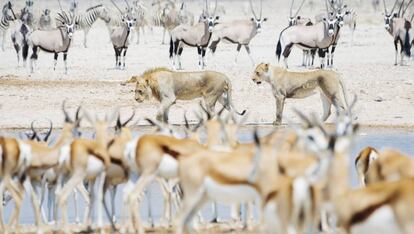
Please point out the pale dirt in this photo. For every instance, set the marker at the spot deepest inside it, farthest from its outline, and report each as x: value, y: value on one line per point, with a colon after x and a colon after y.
x: 385, y: 92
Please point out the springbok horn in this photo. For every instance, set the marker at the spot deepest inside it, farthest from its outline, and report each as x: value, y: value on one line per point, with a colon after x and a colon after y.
x: 251, y: 7
x: 118, y: 124
x: 34, y: 136
x: 67, y: 117
x: 116, y: 6
x: 300, y: 7
x: 303, y: 118
x: 129, y: 120
x: 353, y: 103
x: 49, y: 132
x: 318, y: 124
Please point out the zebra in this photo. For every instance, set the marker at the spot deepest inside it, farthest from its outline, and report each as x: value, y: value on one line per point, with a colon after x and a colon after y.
x: 7, y: 16
x: 139, y: 12
x: 87, y: 19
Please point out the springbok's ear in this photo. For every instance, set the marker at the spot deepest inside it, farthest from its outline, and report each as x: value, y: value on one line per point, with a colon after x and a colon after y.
x: 265, y: 19
x: 252, y: 19
x: 217, y: 17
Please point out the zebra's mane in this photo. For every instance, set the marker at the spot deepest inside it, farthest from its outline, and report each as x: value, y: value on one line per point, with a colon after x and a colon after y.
x: 94, y: 7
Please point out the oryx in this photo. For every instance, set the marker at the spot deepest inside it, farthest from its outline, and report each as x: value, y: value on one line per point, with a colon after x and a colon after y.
x: 119, y: 37
x: 319, y: 36
x: 53, y: 41
x: 400, y: 29
x: 198, y: 36
x: 19, y: 35
x: 239, y: 32
x: 45, y: 21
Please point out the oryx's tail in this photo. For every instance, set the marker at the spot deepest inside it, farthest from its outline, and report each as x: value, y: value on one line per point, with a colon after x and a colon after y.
x: 407, y: 41
x: 229, y: 104
x: 171, y: 47
x: 278, y: 50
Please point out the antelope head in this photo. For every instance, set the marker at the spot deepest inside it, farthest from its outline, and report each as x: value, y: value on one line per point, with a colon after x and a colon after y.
x: 331, y: 22
x: 129, y: 21
x: 293, y: 18
x: 388, y: 16
x: 70, y: 123
x: 46, y: 12
x: 257, y: 20
x: 122, y: 125
x: 210, y: 19
x: 67, y: 22
x: 8, y: 11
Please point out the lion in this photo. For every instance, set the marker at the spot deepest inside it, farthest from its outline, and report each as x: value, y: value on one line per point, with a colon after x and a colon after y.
x: 289, y: 84
x: 168, y: 86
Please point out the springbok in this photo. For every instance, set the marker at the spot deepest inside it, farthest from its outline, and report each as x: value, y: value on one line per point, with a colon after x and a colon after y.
x: 54, y: 41
x: 6, y: 17
x: 198, y: 36
x: 239, y: 32
x: 399, y: 29
x: 319, y: 36
x: 28, y: 160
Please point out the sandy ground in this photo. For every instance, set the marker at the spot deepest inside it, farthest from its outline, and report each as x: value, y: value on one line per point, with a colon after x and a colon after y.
x: 385, y: 91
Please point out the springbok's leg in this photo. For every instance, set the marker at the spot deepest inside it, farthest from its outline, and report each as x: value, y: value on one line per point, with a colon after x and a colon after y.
x: 193, y: 201
x: 237, y: 53
x: 280, y: 102
x: 17, y: 192
x: 65, y: 58
x: 125, y: 195
x: 249, y: 53
x: 112, y: 195
x: 51, y: 200
x: 101, y: 182
x: 63, y: 195
x: 166, y: 217
x: 137, y: 192
x: 35, y: 203
x: 92, y: 198
x: 1, y: 205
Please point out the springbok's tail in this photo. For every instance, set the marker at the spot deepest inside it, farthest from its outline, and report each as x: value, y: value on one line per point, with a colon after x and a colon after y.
x: 407, y: 41
x: 229, y: 104
x: 171, y: 47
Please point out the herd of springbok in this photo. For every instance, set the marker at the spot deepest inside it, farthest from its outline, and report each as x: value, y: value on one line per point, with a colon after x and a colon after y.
x: 295, y: 177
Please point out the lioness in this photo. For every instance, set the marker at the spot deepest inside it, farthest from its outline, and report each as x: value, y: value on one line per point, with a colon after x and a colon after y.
x: 288, y: 84
x: 167, y: 86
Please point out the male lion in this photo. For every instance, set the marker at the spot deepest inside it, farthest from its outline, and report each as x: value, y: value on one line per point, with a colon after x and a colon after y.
x: 168, y: 86
x: 288, y: 84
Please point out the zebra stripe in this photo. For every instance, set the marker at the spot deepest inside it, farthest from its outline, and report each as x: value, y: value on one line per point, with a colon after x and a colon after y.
x: 86, y: 20
x: 4, y: 23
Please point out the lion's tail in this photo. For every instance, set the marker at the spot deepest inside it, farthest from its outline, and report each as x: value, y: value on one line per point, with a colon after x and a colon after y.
x: 229, y: 104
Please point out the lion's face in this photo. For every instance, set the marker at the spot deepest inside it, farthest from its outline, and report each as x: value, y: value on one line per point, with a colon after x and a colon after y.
x: 260, y: 73
x: 141, y: 93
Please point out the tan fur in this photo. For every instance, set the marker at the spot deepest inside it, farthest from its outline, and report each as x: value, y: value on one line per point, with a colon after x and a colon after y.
x: 288, y: 84
x: 168, y: 86
x: 362, y: 163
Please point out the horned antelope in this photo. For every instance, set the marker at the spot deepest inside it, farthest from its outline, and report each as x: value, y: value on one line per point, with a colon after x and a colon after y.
x: 140, y: 12
x: 119, y: 38
x: 37, y: 158
x: 89, y: 160
x: 239, y: 32
x: 19, y: 36
x: 319, y: 36
x: 54, y: 41
x: 198, y: 36
x: 399, y: 29
x: 7, y: 15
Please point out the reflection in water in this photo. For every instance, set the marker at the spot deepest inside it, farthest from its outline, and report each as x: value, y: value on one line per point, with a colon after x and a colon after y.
x: 379, y: 139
